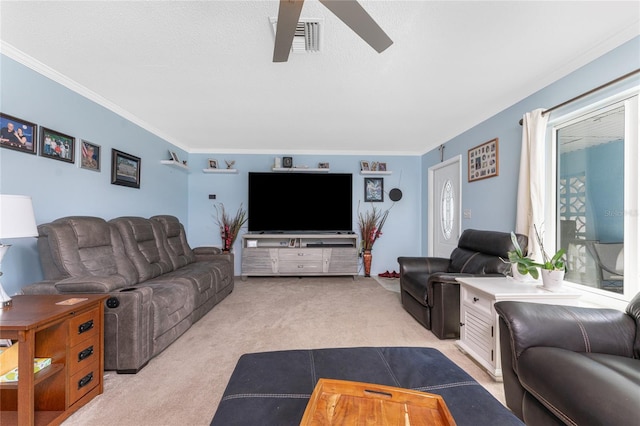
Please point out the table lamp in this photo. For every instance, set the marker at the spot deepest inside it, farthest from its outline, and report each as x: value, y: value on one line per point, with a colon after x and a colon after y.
x: 16, y: 221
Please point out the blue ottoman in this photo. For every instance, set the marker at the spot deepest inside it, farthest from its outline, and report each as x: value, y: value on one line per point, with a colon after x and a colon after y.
x: 273, y: 388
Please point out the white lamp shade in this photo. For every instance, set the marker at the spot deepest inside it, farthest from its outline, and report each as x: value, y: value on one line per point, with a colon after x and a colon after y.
x: 16, y: 217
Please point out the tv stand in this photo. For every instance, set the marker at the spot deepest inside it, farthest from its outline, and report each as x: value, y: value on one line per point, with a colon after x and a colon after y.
x: 301, y: 254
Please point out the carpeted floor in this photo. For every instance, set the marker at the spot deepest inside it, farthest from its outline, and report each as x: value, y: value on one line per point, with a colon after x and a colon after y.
x: 184, y: 384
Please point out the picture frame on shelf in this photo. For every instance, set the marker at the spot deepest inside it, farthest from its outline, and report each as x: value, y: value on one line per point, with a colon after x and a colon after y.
x: 364, y: 166
x: 483, y: 161
x: 382, y: 167
x: 90, y: 156
x: 213, y: 164
x: 323, y: 165
x: 373, y: 190
x: 18, y: 134
x: 287, y: 162
x: 57, y: 146
x: 174, y: 156
x: 125, y: 169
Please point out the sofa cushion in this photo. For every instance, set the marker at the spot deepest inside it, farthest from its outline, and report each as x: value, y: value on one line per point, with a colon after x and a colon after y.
x: 179, y: 251
x: 473, y: 262
x: 77, y: 246
x: 144, y: 246
x: 633, y: 309
x: 172, y: 303
x: 481, y: 252
x: 574, y: 383
x: 416, y: 285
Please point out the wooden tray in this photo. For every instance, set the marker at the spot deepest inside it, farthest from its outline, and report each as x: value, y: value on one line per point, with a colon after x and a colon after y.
x: 339, y: 402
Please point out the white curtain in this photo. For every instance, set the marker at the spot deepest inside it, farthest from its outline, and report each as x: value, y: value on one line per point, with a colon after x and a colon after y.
x: 531, y: 183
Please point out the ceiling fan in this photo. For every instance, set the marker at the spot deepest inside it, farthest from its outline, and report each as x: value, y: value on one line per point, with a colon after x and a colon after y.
x: 349, y: 11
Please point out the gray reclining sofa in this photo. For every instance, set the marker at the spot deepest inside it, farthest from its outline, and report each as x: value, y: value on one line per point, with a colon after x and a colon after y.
x: 158, y: 285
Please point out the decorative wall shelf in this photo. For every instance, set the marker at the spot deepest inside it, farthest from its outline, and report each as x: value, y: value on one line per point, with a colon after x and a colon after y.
x: 375, y: 172
x: 210, y: 170
x: 175, y: 164
x: 299, y: 170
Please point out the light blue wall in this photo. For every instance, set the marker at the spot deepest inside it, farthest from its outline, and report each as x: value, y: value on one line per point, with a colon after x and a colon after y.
x: 60, y: 189
x: 493, y: 201
x: 400, y: 233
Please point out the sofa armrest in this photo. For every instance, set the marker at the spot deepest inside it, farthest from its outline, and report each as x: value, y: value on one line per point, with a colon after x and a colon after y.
x: 91, y: 284
x: 41, y: 287
x: 577, y: 329
x: 205, y: 254
x: 423, y: 265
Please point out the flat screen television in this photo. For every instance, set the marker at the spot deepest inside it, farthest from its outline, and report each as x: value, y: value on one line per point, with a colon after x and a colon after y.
x: 300, y: 202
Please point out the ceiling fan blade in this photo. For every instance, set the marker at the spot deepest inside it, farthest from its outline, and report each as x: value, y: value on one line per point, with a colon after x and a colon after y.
x: 352, y: 14
x: 288, y: 15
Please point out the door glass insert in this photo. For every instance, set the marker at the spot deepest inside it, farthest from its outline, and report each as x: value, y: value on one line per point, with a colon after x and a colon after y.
x: 448, y: 209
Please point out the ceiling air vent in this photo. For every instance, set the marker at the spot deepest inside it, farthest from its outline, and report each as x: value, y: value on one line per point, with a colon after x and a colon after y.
x: 306, y: 37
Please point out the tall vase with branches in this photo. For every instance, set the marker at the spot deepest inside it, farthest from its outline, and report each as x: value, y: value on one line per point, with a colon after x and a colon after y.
x: 229, y: 225
x: 370, y: 224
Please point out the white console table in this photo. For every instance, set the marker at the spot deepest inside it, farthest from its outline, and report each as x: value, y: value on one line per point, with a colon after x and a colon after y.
x: 479, y: 330
x: 299, y: 254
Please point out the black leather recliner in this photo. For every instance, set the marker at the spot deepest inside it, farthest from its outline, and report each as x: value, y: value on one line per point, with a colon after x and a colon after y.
x: 571, y: 365
x: 428, y: 287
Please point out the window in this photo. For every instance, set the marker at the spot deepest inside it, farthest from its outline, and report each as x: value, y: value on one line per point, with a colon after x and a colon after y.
x: 593, y: 197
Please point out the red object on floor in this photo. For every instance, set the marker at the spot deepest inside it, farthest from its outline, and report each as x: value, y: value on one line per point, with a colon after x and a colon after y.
x: 386, y: 274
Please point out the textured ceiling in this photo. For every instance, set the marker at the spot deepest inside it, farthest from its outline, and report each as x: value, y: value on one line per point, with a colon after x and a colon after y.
x: 200, y: 75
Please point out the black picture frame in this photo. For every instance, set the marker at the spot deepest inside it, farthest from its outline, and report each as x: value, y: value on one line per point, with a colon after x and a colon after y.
x: 90, y: 156
x: 125, y: 169
x: 373, y: 190
x: 57, y: 146
x: 24, y: 140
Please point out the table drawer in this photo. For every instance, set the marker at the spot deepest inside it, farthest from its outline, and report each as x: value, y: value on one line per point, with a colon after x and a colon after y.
x: 478, y: 300
x: 296, y: 255
x: 84, y: 326
x: 87, y: 378
x: 304, y: 266
x: 84, y: 353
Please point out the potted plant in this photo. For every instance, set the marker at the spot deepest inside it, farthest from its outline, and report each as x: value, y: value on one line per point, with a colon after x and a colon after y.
x: 521, y: 265
x: 552, y: 268
x: 370, y: 225
x: 229, y: 226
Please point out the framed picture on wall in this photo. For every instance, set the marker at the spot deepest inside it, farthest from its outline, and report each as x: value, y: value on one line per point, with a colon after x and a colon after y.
x: 57, y: 145
x: 125, y: 169
x: 89, y: 156
x: 213, y: 164
x: 373, y: 190
x: 483, y: 161
x: 17, y: 134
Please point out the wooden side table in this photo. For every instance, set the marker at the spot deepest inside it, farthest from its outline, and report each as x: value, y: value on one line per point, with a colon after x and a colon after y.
x: 479, y: 331
x: 69, y: 330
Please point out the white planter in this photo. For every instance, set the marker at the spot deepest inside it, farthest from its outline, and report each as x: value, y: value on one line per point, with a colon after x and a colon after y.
x: 517, y: 275
x: 552, y: 280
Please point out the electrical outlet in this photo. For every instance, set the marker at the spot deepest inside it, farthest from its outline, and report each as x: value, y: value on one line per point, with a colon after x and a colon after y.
x: 466, y: 213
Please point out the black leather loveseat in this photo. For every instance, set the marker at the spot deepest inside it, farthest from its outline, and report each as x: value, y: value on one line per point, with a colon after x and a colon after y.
x: 571, y: 365
x: 428, y: 287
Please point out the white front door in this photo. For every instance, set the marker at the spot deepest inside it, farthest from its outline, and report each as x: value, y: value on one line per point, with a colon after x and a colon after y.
x: 444, y: 207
